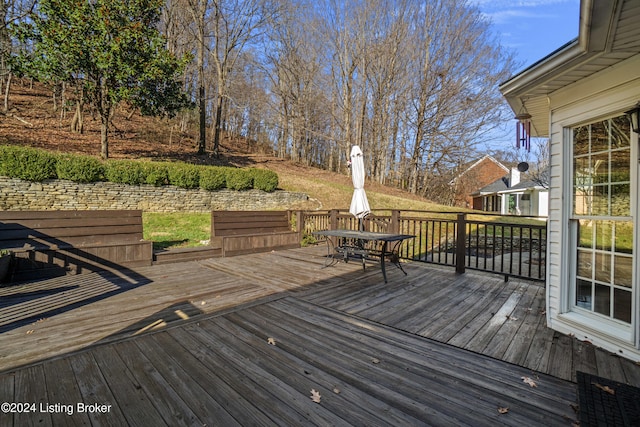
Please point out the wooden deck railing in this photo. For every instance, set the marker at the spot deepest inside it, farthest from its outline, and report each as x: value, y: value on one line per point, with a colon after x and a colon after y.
x: 513, y: 246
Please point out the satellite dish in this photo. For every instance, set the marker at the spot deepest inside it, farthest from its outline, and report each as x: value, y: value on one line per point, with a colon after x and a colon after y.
x: 523, y: 166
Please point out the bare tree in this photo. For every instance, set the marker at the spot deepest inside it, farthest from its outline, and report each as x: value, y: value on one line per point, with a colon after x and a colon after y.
x: 457, y: 68
x: 235, y: 24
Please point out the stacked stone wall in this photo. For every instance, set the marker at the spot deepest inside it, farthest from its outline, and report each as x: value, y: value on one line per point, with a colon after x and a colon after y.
x: 16, y: 194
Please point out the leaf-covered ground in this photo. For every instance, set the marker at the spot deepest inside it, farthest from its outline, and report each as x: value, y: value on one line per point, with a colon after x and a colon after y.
x: 31, y: 120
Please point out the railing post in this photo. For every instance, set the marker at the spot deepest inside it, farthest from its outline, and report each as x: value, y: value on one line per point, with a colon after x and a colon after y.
x: 394, y: 224
x: 333, y: 219
x: 461, y: 238
x: 300, y: 226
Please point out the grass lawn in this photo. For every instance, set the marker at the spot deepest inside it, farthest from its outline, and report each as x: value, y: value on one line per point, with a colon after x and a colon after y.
x: 176, y: 229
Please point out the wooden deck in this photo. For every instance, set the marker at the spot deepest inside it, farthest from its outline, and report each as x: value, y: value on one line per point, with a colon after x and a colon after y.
x: 189, y: 344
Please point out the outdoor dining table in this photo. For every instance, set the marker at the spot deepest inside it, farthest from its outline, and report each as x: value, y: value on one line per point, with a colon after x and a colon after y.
x: 352, y: 242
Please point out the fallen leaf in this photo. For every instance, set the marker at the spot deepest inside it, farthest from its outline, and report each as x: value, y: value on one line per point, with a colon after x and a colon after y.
x: 315, y: 396
x: 271, y: 341
x: 336, y: 390
x: 529, y: 381
x: 374, y: 360
x: 30, y: 331
x: 604, y: 388
x: 503, y: 410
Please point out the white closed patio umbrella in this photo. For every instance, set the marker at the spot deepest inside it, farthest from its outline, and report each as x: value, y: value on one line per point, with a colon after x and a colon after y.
x: 359, y: 203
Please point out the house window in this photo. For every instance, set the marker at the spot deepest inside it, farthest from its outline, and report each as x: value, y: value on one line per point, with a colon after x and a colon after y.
x: 603, y: 213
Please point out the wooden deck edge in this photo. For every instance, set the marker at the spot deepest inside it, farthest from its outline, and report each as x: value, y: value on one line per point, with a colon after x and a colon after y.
x: 186, y: 254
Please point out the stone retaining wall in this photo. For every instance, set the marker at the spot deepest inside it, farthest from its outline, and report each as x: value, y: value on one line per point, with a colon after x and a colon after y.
x: 16, y: 194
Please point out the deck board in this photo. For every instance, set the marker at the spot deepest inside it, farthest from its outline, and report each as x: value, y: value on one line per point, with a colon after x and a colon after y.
x: 187, y: 343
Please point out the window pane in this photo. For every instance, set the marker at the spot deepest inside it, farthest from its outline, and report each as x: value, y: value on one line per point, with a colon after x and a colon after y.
x: 622, y: 305
x: 580, y: 203
x: 585, y: 233
x: 604, y: 235
x: 581, y: 140
x: 620, y: 132
x: 622, y: 270
x: 624, y: 237
x: 600, y: 136
x: 620, y: 200
x: 600, y: 200
x: 600, y: 168
x: 583, y: 294
x: 620, y: 160
x: 585, y: 264
x: 602, y: 300
x: 603, y: 267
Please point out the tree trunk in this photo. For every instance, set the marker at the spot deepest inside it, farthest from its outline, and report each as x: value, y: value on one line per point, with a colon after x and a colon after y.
x: 104, y: 142
x: 105, y: 118
x: 6, y: 92
x: 202, y: 110
x: 216, y: 129
x: 77, y: 122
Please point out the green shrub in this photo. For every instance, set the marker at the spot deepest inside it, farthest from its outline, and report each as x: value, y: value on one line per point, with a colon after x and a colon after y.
x: 37, y: 165
x: 239, y: 179
x: 124, y: 172
x: 155, y: 174
x: 184, y: 175
x: 212, y: 178
x: 264, y: 179
x: 27, y: 163
x: 79, y: 168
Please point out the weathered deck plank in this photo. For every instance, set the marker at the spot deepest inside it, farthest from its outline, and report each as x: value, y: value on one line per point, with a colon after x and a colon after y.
x: 335, y: 328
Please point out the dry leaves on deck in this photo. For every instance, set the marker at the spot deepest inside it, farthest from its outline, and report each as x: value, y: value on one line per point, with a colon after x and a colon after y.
x: 271, y: 341
x: 503, y: 410
x: 315, y: 395
x: 529, y: 381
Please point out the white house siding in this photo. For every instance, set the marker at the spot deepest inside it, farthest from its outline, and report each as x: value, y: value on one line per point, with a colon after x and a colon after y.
x: 593, y: 98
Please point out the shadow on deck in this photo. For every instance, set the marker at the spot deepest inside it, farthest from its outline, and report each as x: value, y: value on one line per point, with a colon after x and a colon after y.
x: 250, y: 339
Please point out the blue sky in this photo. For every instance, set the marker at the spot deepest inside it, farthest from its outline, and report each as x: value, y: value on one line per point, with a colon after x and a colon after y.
x: 532, y: 28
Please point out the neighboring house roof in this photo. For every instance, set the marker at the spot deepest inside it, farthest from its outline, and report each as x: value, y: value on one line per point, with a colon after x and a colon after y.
x: 524, y: 185
x: 469, y: 166
x: 609, y: 33
x: 501, y: 185
x: 494, y: 187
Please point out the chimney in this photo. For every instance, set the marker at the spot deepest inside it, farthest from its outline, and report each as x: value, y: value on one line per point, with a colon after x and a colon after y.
x: 514, y: 177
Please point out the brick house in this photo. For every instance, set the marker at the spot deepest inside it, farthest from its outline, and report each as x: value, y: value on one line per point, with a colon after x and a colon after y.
x: 474, y: 176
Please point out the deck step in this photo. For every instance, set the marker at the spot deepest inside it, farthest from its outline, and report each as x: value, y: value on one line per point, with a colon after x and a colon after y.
x: 186, y: 254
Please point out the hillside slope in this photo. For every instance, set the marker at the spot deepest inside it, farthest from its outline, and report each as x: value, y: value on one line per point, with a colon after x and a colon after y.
x: 31, y: 121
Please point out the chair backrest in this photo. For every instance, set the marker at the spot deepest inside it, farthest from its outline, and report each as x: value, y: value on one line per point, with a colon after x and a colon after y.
x: 233, y: 223
x: 69, y: 228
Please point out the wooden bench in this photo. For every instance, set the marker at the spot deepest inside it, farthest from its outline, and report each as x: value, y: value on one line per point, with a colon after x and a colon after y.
x: 244, y: 232
x: 54, y: 243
